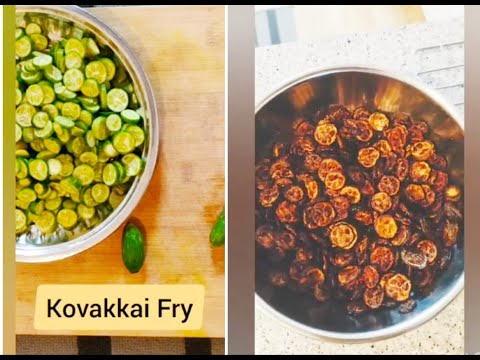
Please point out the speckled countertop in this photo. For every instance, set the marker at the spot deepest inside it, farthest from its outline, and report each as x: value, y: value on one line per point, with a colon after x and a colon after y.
x: 434, y: 54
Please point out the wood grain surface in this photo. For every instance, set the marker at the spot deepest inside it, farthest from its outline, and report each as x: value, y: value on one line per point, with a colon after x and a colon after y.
x: 182, y: 51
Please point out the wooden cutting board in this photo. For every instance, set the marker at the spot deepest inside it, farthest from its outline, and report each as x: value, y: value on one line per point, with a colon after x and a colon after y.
x: 182, y: 51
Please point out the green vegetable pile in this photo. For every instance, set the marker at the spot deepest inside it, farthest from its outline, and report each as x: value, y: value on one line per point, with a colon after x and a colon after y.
x: 79, y: 131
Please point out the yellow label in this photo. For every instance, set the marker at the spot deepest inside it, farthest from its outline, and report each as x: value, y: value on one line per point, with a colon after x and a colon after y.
x: 119, y: 307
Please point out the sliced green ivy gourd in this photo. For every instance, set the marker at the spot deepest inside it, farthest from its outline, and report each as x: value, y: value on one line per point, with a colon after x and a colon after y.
x: 79, y: 131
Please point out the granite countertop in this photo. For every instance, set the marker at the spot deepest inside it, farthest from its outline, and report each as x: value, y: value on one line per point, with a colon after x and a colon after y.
x: 441, y: 335
x: 431, y: 52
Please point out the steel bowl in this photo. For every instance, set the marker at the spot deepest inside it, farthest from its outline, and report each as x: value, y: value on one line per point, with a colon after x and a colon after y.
x: 59, y: 21
x: 355, y: 86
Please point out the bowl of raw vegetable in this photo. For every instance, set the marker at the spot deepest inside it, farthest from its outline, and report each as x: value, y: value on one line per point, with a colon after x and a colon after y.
x: 86, y: 132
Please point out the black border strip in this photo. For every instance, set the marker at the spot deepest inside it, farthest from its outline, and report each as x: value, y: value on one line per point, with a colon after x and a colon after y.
x: 94, y: 345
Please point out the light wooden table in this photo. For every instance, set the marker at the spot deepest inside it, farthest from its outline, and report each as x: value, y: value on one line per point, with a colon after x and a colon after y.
x: 182, y: 51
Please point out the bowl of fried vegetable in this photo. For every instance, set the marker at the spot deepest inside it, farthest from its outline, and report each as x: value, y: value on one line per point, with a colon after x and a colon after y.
x: 359, y: 204
x: 86, y: 132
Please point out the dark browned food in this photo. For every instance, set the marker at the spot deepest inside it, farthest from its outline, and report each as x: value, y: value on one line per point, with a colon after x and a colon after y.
x: 382, y: 258
x: 398, y: 287
x: 357, y: 207
x: 370, y: 276
x: 374, y: 297
x: 407, y: 306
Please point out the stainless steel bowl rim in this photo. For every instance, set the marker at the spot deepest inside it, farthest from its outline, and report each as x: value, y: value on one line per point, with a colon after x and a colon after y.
x: 408, y: 324
x: 48, y: 253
